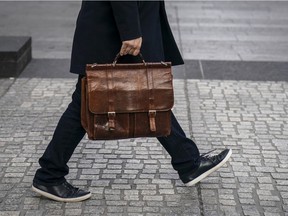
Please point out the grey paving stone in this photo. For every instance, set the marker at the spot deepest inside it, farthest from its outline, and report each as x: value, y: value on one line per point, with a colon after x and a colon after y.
x: 48, y: 68
x: 204, y: 33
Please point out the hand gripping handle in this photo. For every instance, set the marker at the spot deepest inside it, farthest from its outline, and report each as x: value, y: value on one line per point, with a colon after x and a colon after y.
x: 118, y: 56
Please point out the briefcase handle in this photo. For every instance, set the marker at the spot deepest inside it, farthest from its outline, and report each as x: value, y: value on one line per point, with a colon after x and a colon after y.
x: 118, y: 56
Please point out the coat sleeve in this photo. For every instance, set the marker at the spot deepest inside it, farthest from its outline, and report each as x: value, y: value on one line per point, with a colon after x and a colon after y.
x: 126, y: 15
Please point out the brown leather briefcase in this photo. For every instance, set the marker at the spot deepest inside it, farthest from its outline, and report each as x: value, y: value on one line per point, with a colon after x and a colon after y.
x: 121, y: 101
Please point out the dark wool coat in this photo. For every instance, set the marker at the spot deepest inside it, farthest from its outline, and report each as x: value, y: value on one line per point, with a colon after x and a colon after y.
x: 102, y: 26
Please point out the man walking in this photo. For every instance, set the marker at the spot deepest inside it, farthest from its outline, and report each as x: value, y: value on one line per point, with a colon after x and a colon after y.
x: 103, y: 29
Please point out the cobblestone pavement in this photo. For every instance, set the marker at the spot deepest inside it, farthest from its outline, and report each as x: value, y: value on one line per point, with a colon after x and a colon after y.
x: 134, y: 177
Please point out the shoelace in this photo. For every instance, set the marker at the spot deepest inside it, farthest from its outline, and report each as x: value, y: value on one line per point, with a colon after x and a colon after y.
x: 206, y: 156
x: 72, y: 188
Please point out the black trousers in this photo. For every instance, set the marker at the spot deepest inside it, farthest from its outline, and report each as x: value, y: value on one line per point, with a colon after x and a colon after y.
x: 69, y: 133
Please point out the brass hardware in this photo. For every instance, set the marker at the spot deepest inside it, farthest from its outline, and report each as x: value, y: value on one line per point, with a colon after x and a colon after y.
x: 163, y: 63
x: 93, y: 65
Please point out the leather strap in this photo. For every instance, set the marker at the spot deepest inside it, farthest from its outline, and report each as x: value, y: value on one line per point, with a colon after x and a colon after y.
x: 111, y: 98
x: 152, y: 111
x: 111, y: 120
x: 152, y: 120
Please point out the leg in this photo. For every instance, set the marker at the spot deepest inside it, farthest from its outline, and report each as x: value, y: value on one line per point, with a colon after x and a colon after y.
x: 49, y: 180
x: 182, y: 150
x: 191, y: 166
x: 67, y: 135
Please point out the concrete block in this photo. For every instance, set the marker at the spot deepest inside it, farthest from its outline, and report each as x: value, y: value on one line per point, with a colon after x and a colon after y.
x: 15, y: 54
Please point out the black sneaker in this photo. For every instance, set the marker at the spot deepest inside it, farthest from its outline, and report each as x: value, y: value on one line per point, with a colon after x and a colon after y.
x: 206, y: 165
x: 64, y: 192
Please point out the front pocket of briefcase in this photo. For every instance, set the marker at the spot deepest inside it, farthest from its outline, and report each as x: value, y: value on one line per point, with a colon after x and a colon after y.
x: 103, y: 132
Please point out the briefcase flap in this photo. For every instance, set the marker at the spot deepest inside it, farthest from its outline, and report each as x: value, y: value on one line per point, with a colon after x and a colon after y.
x: 125, y: 88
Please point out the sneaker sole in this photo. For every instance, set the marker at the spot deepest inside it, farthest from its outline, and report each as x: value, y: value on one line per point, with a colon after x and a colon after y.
x: 53, y: 197
x: 208, y: 172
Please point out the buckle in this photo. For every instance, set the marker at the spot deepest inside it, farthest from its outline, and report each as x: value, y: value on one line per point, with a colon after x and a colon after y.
x: 112, y: 114
x: 152, y: 113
